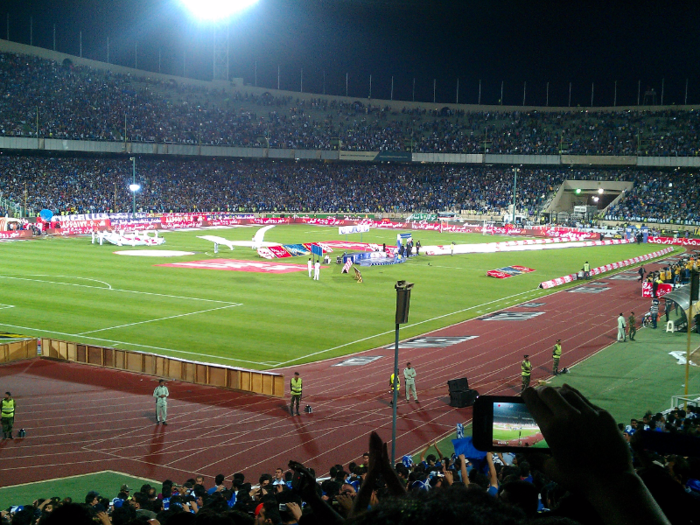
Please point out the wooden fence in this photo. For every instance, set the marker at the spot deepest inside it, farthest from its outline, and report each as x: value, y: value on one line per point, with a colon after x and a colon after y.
x: 221, y: 376
x: 18, y: 350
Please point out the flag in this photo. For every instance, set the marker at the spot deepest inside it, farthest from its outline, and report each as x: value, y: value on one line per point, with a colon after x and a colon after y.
x: 316, y: 250
x: 466, y: 447
x: 460, y: 430
x: 407, y: 461
x: 348, y: 264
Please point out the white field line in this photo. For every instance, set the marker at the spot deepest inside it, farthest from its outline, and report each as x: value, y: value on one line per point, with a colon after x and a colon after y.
x: 408, y: 326
x: 120, y: 290
x: 136, y: 345
x: 159, y: 319
x: 5, y: 306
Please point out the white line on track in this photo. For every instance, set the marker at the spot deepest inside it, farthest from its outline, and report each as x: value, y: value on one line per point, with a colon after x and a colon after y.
x: 495, y: 302
x: 159, y: 319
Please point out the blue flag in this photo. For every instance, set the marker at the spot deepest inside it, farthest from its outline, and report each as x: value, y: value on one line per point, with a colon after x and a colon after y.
x: 316, y: 250
x: 466, y: 447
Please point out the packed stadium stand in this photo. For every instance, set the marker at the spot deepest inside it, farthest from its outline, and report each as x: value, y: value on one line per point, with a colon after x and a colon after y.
x: 41, y: 98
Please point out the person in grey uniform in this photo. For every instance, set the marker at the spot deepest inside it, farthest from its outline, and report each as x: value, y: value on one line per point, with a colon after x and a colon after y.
x: 161, y: 394
x: 409, y: 375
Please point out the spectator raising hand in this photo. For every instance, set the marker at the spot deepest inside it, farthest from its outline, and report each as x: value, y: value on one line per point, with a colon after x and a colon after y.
x: 590, y: 456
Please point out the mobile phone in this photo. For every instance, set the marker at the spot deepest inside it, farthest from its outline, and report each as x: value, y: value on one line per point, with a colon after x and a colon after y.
x: 504, y: 424
x: 282, y: 507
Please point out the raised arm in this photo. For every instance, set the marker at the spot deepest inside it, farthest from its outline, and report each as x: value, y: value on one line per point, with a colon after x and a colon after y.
x: 590, y: 456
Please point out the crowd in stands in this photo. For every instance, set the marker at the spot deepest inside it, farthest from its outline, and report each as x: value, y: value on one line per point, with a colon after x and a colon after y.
x: 91, y: 185
x: 599, y: 472
x: 40, y: 97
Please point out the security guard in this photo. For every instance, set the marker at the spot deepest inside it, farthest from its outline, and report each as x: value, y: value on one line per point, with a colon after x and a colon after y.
x: 295, y: 388
x: 391, y: 389
x: 556, y: 354
x: 525, y: 371
x: 632, y: 323
x: 586, y: 270
x: 8, y: 415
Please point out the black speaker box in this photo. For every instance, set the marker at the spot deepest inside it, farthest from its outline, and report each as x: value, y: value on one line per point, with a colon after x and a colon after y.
x: 458, y: 385
x: 463, y: 399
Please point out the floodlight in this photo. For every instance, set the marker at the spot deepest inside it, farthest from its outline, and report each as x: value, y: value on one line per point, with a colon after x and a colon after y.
x: 600, y: 191
x: 213, y: 10
x: 134, y: 187
x: 578, y: 191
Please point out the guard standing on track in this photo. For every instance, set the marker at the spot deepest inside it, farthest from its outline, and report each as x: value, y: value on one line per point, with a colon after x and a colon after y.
x: 161, y: 394
x: 525, y: 371
x: 8, y: 416
x: 295, y: 389
x: 391, y: 388
x: 632, y: 322
x: 409, y: 376
x: 556, y: 354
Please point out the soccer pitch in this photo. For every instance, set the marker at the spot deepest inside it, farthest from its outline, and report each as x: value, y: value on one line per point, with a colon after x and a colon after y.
x: 70, y: 289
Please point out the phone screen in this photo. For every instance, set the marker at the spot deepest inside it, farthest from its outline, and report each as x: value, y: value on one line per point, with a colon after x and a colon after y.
x: 505, y: 423
x: 513, y: 426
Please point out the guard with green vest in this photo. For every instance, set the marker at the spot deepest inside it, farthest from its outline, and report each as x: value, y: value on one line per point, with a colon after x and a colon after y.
x: 295, y: 389
x: 586, y: 270
x: 8, y: 415
x: 525, y: 371
x: 394, y: 382
x: 556, y: 354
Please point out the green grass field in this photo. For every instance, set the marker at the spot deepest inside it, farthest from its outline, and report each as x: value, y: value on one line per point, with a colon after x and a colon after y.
x: 70, y: 289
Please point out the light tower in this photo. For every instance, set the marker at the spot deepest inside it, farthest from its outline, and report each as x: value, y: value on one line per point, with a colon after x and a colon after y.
x: 219, y: 14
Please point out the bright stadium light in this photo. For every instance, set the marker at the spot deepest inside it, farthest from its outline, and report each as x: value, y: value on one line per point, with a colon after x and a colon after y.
x: 600, y: 191
x: 134, y: 187
x: 213, y: 10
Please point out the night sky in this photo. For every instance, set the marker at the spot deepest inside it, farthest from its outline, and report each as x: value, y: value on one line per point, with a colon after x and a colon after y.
x: 513, y: 41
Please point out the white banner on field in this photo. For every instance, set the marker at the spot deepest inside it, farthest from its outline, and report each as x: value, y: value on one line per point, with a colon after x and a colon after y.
x: 358, y: 228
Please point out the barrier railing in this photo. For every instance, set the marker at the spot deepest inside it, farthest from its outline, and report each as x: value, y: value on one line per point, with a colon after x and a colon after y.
x: 253, y: 381
x: 18, y: 350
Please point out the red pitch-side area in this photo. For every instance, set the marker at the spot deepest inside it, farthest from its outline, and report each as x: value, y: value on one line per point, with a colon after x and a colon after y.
x: 82, y: 419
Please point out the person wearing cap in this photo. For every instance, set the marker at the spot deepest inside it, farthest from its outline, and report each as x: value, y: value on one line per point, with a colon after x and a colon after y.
x: 8, y: 415
x: 161, y: 394
x: 125, y: 489
x: 525, y: 371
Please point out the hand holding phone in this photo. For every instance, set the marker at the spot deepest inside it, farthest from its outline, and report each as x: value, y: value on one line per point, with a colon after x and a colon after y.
x: 504, y: 423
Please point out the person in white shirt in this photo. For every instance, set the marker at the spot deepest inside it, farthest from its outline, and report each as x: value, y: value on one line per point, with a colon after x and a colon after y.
x: 317, y: 270
x: 621, y: 325
x: 310, y: 266
x: 161, y: 394
x: 409, y: 375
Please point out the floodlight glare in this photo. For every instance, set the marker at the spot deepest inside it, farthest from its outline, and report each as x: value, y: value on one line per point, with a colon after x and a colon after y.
x: 213, y: 10
x: 134, y: 187
x: 578, y: 191
x: 600, y: 191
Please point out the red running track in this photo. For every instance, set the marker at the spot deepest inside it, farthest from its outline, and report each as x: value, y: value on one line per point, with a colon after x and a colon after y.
x: 82, y: 419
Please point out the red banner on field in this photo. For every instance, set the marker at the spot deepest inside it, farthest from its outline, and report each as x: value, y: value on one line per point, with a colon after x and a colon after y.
x: 279, y: 252
x: 17, y: 234
x: 661, y: 290
x: 602, y: 269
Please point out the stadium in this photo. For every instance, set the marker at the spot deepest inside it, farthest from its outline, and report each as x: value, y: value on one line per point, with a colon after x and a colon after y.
x: 220, y: 233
